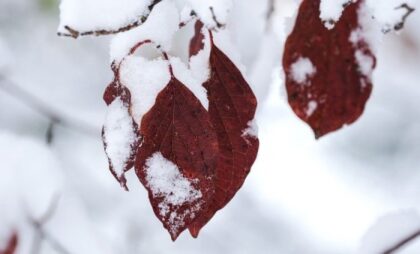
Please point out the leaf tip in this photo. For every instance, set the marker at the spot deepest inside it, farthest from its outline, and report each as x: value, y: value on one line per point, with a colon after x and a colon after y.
x: 194, y: 231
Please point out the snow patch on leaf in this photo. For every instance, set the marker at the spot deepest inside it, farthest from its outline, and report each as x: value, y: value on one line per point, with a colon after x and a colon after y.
x: 145, y: 79
x: 168, y: 184
x: 119, y: 136
x: 312, y: 106
x: 331, y: 10
x: 302, y: 70
x: 366, y: 63
x: 252, y: 130
x: 187, y: 77
x: 199, y: 63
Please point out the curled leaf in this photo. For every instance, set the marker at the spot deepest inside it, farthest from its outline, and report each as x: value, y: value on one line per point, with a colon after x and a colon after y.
x: 328, y: 71
x: 120, y: 132
x: 232, y: 106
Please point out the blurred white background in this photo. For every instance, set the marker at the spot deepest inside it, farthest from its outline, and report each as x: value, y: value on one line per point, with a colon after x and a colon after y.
x: 302, y: 196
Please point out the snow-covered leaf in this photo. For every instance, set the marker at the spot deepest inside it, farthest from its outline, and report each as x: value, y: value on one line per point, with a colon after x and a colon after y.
x: 120, y: 132
x: 328, y: 71
x: 178, y: 156
x: 232, y: 108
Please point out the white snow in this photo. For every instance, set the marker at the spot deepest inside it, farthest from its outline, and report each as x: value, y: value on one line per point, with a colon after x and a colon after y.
x: 312, y: 106
x: 29, y: 180
x: 221, y: 9
x: 166, y: 181
x: 186, y: 76
x: 160, y: 28
x: 88, y: 15
x: 390, y: 230
x: 365, y: 62
x: 331, y: 10
x: 301, y: 70
x: 252, y: 130
x: 145, y: 79
x: 199, y: 63
x: 119, y: 135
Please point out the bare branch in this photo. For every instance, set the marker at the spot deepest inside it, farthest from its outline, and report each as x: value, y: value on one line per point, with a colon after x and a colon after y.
x: 44, y: 109
x: 71, y: 32
x: 400, y: 25
x: 270, y: 10
x: 402, y: 243
x: 409, y: 10
x: 218, y: 24
x: 41, y: 234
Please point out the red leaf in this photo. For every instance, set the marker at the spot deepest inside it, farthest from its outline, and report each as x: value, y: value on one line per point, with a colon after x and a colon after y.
x: 121, y: 155
x: 326, y: 85
x: 11, y: 245
x: 232, y: 106
x: 197, y: 41
x: 177, y: 158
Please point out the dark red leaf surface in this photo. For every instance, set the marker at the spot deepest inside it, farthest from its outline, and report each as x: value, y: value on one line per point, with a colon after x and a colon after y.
x: 197, y: 41
x: 113, y: 91
x: 11, y: 246
x: 179, y: 128
x: 232, y: 106
x: 336, y: 94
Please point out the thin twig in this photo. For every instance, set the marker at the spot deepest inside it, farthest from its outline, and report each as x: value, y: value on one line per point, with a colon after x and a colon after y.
x: 402, y: 243
x: 44, y: 109
x: 41, y: 234
x: 74, y: 33
x: 270, y: 10
x: 214, y: 17
x: 400, y: 25
x: 409, y: 10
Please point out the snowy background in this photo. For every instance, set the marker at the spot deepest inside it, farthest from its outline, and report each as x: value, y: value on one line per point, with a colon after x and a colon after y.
x: 302, y: 196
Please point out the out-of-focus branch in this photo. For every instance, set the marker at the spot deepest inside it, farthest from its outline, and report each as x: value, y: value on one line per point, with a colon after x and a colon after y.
x: 46, y: 110
x: 42, y: 235
x: 71, y: 32
x: 409, y: 10
x: 270, y: 10
x: 216, y: 21
x: 400, y: 25
x: 402, y: 243
x: 74, y: 33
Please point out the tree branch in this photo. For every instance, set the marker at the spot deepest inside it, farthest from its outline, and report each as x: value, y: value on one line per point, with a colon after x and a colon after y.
x: 409, y: 10
x: 74, y: 33
x: 400, y: 25
x: 402, y: 243
x: 41, y: 234
x: 214, y: 17
x: 44, y: 109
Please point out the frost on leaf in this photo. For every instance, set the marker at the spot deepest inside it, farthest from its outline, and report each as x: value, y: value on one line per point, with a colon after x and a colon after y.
x: 232, y: 106
x: 339, y: 83
x: 120, y: 132
x: 179, y: 141
x: 11, y: 245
